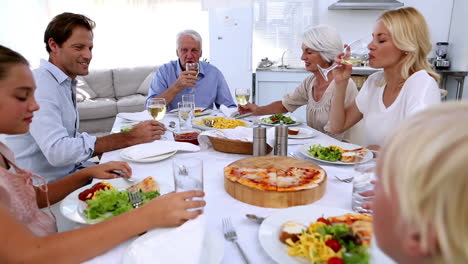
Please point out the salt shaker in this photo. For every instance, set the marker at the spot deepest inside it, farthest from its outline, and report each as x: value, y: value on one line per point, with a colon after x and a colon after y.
x: 281, y: 140
x: 259, y: 141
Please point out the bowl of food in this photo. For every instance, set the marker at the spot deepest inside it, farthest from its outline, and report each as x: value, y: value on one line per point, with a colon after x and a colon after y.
x: 187, y: 135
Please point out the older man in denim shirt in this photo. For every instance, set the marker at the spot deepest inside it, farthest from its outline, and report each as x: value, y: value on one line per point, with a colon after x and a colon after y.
x: 172, y: 80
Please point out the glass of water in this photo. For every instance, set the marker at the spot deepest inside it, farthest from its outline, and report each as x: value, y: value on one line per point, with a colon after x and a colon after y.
x: 185, y: 112
x: 188, y: 175
x: 363, y: 185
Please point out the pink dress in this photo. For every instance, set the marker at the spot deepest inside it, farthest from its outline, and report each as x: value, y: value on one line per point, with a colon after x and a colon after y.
x: 18, y: 195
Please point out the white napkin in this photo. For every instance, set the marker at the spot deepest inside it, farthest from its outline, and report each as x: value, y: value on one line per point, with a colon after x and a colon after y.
x: 228, y: 112
x: 180, y: 245
x: 156, y: 148
x: 137, y: 116
x: 238, y: 133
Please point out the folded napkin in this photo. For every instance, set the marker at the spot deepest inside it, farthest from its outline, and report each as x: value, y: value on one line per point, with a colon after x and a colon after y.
x: 156, y: 148
x: 137, y: 116
x: 238, y: 133
x: 179, y: 245
x: 229, y: 112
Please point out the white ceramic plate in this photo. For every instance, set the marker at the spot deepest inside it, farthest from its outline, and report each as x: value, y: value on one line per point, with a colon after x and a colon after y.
x: 269, y: 231
x: 206, y: 112
x: 197, y: 120
x: 212, y: 253
x: 72, y: 208
x: 261, y: 120
x: 123, y: 155
x: 304, y: 133
x: 305, y: 151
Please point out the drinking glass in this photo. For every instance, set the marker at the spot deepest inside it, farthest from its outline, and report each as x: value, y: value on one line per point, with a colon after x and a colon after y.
x: 363, y: 185
x: 242, y: 96
x: 185, y: 113
x: 189, y: 98
x: 355, y: 53
x: 192, y: 66
x: 188, y: 175
x: 157, y: 108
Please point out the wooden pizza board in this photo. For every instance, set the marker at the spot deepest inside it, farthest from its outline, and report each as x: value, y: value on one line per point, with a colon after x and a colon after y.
x: 274, y: 199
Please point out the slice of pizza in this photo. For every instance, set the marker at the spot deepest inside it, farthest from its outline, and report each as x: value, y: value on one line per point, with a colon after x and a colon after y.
x: 232, y: 173
x: 360, y: 224
x: 261, y: 179
x: 295, y: 179
x: 353, y: 155
x: 146, y: 185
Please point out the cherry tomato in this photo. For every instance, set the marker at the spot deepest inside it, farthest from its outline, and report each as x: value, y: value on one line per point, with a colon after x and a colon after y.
x: 335, y: 260
x: 333, y: 244
x: 323, y: 220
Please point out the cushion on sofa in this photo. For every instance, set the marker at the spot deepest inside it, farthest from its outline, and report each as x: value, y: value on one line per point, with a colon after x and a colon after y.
x: 97, y: 108
x: 83, y: 91
x: 145, y: 85
x: 128, y: 80
x: 100, y: 81
x: 131, y: 103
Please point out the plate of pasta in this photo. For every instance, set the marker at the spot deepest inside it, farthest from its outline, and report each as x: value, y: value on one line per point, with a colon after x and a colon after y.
x: 216, y: 122
x: 309, y: 247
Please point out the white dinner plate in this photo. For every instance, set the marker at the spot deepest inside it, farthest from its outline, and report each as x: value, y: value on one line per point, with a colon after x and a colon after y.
x: 261, y: 120
x: 206, y: 112
x: 304, y: 133
x: 196, y: 123
x: 72, y: 208
x: 305, y: 151
x: 212, y: 248
x: 269, y: 231
x: 123, y: 155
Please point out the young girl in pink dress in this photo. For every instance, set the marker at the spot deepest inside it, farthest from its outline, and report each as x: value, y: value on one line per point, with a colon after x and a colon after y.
x: 28, y: 234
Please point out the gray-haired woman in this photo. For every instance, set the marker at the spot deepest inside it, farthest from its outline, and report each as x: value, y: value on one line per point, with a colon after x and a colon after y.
x: 320, y: 45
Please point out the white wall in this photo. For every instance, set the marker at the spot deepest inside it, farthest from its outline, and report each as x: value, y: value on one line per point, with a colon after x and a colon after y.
x: 458, y: 43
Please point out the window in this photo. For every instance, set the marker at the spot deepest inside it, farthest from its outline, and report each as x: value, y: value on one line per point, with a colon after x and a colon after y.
x: 278, y: 28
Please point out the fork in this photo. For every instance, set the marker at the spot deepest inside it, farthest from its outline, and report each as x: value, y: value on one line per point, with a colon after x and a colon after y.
x: 231, y: 235
x: 347, y: 180
x: 135, y: 199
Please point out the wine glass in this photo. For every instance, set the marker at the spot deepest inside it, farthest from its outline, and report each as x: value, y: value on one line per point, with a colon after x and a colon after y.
x: 355, y: 53
x: 242, y: 96
x: 157, y: 108
x: 194, y: 67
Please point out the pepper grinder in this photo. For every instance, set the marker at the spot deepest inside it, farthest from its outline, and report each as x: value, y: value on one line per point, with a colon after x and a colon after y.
x: 281, y: 140
x: 259, y: 141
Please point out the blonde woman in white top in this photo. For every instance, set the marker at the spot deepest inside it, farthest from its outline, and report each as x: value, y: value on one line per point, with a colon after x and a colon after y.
x: 420, y: 212
x: 320, y: 46
x: 407, y: 84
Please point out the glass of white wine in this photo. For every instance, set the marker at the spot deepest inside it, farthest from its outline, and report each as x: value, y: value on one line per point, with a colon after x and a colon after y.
x: 242, y: 96
x: 194, y: 67
x: 157, y: 108
x: 356, y: 53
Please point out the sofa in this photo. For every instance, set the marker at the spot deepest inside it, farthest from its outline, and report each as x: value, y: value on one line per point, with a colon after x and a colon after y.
x: 102, y: 94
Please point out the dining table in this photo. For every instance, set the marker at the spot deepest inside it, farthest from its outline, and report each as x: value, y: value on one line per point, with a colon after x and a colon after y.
x: 219, y: 204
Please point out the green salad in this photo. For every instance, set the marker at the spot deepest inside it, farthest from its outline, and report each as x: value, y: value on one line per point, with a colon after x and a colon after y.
x: 109, y: 203
x: 330, y: 153
x: 277, y: 118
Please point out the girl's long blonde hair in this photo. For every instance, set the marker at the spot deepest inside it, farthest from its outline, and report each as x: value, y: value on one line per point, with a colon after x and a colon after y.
x: 410, y: 34
x: 425, y: 163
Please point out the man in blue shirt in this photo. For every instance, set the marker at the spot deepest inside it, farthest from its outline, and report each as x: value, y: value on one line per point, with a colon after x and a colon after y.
x: 53, y: 147
x: 172, y: 80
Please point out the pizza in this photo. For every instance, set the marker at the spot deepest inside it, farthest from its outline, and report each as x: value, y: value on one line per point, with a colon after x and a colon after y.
x: 281, y: 180
x: 146, y: 185
x: 353, y: 155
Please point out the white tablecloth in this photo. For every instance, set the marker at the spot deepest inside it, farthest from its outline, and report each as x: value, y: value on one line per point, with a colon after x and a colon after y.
x: 220, y: 204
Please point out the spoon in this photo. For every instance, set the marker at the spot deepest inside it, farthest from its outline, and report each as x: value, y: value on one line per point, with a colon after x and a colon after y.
x: 172, y: 125
x: 257, y: 219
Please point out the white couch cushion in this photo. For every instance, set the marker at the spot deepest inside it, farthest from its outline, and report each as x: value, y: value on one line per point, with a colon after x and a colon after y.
x: 97, y: 108
x: 100, y: 81
x: 83, y: 91
x: 127, y: 80
x: 145, y: 85
x: 131, y: 103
